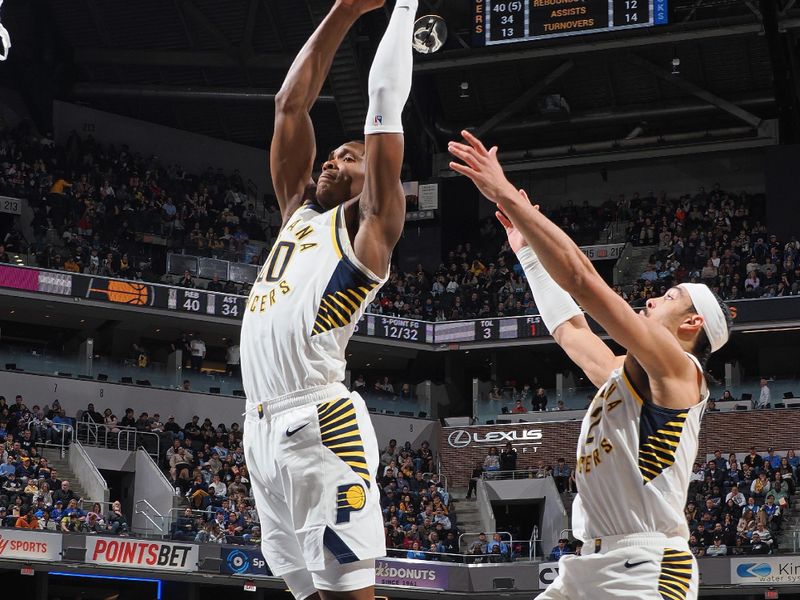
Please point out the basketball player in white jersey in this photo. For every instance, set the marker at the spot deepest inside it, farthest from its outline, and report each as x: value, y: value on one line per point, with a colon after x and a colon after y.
x: 309, y: 443
x: 639, y: 437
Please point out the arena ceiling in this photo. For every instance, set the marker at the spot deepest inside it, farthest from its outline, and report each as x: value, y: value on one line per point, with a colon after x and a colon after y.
x: 213, y: 68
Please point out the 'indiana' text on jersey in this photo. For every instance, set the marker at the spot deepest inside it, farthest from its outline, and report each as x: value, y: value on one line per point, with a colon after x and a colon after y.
x: 633, y: 463
x: 303, y: 307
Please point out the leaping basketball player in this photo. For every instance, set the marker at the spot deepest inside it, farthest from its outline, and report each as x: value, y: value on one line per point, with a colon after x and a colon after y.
x: 309, y: 442
x: 639, y: 437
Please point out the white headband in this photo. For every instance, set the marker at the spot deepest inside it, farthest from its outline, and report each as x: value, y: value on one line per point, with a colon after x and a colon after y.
x: 714, y: 322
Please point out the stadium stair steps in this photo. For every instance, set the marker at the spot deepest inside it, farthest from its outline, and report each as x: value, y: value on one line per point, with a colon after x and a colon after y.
x: 344, y: 77
x: 632, y: 264
x: 615, y: 233
x: 61, y: 465
x: 469, y: 517
x: 791, y: 528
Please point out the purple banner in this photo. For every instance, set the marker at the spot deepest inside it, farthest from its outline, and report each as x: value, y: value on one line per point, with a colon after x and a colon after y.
x: 410, y: 573
x: 19, y: 278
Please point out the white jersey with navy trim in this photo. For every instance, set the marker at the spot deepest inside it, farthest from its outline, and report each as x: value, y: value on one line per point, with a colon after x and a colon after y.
x: 633, y: 465
x: 303, y: 308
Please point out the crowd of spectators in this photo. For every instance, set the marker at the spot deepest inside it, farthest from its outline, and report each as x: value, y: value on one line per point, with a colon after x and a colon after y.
x: 734, y: 506
x: 95, y: 205
x: 738, y: 506
x: 712, y: 236
x: 382, y: 387
x: 715, y: 237
x: 32, y: 495
x: 419, y: 518
x: 205, y: 464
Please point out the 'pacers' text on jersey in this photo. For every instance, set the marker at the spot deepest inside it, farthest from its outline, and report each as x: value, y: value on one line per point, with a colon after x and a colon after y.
x: 303, y: 307
x: 633, y: 464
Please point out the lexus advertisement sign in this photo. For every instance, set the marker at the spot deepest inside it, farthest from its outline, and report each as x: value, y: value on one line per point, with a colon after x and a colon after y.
x: 463, y: 448
x: 461, y: 438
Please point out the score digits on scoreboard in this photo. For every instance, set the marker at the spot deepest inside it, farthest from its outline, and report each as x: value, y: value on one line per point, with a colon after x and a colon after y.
x: 509, y: 21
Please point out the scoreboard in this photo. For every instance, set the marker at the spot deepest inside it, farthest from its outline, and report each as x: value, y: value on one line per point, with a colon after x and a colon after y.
x: 510, y: 21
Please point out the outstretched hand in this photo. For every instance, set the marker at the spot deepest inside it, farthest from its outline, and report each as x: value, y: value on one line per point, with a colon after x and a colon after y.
x: 481, y: 166
x: 515, y: 237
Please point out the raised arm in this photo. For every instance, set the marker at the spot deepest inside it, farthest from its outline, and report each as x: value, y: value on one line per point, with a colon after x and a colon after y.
x: 652, y: 345
x: 293, y: 147
x: 561, y: 315
x: 382, y: 206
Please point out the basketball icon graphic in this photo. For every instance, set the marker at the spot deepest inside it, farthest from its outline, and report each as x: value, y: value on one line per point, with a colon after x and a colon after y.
x: 355, y: 497
x: 120, y: 292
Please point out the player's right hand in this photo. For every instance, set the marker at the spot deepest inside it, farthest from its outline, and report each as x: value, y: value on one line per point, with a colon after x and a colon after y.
x: 362, y: 6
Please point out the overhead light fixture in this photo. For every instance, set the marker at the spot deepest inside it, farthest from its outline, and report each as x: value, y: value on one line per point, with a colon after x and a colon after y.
x: 636, y: 131
x: 676, y: 64
x: 464, y: 87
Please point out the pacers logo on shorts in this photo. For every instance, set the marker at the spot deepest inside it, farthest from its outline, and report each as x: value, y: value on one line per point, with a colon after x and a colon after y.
x: 349, y: 498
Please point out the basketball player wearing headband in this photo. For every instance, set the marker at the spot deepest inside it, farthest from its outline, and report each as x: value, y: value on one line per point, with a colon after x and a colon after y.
x: 639, y: 437
x: 309, y: 442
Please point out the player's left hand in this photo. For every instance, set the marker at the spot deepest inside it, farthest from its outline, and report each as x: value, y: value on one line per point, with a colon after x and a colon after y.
x: 481, y: 166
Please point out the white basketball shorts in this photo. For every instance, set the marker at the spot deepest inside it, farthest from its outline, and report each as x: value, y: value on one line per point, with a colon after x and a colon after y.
x: 641, y: 566
x: 313, y: 460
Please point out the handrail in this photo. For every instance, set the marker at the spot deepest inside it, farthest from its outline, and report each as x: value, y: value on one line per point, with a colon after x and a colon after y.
x: 78, y: 447
x: 477, y: 533
x: 534, y: 539
x: 147, y: 516
x: 66, y: 431
x: 83, y: 502
x: 563, y: 534
x: 100, y: 435
x: 150, y: 506
x: 515, y: 474
x: 458, y: 556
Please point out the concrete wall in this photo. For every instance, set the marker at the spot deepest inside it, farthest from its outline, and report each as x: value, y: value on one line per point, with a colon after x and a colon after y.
x: 75, y: 394
x: 553, y: 516
x: 109, y: 459
x: 193, y: 152
x: 89, y: 477
x: 153, y: 486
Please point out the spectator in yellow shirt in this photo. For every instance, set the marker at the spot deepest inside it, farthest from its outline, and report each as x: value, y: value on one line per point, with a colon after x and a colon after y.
x: 71, y: 265
x: 60, y: 186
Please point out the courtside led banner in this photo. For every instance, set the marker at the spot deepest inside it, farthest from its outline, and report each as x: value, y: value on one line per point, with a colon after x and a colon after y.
x: 141, y: 554
x: 410, y: 573
x: 765, y: 570
x: 29, y: 545
x: 144, y: 296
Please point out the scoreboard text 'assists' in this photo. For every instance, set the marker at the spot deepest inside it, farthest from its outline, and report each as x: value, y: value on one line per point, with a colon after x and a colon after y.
x: 510, y: 21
